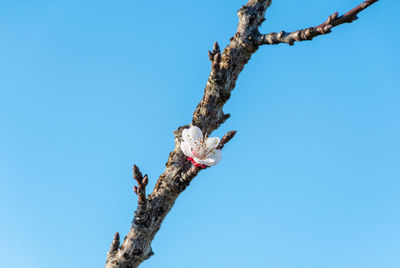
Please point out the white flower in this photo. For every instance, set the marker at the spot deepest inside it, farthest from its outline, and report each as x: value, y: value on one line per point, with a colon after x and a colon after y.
x: 201, y: 150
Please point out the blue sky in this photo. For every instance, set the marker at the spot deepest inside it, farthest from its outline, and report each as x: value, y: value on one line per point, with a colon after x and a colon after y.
x: 87, y: 88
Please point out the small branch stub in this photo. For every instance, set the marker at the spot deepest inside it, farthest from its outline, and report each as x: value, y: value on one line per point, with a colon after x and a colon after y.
x: 140, y: 190
x: 114, y: 245
x: 226, y: 138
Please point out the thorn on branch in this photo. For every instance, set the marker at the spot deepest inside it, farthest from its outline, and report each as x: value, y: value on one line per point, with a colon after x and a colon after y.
x: 226, y: 138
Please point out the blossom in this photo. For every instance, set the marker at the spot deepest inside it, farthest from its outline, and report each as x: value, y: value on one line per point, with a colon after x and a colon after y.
x: 199, y: 149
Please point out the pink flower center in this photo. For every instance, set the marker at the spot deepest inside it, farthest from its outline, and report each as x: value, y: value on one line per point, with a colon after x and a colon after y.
x: 200, y: 150
x: 195, y: 163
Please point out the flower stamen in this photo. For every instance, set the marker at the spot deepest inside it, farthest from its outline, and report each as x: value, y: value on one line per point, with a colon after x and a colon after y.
x: 199, y: 149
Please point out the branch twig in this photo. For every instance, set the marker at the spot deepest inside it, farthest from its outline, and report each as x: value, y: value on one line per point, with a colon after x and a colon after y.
x: 215, y: 58
x: 140, y: 190
x: 309, y: 33
x: 226, y: 138
x: 114, y: 245
x: 208, y: 116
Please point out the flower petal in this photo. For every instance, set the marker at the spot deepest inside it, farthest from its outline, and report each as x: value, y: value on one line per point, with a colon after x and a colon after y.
x: 211, y: 159
x: 212, y: 143
x: 195, y: 133
x: 186, y: 135
x: 185, y: 147
x: 216, y: 156
x: 192, y: 135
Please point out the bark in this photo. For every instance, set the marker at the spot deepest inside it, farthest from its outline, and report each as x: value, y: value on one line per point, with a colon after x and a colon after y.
x: 311, y: 32
x: 208, y: 116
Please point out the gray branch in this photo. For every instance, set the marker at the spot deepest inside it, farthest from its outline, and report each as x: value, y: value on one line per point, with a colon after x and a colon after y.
x: 311, y: 32
x: 208, y: 116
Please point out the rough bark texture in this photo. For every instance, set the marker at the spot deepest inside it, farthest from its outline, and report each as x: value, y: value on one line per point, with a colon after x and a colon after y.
x: 208, y: 116
x: 309, y: 33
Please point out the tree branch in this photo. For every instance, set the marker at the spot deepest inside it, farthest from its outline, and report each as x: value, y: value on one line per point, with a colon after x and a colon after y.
x: 226, y: 138
x: 309, y: 33
x: 114, y: 246
x: 140, y: 190
x: 208, y: 116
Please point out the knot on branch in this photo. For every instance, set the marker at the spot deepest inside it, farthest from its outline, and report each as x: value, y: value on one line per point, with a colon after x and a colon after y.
x: 139, y: 253
x: 215, y: 58
x: 140, y: 190
x: 306, y: 34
